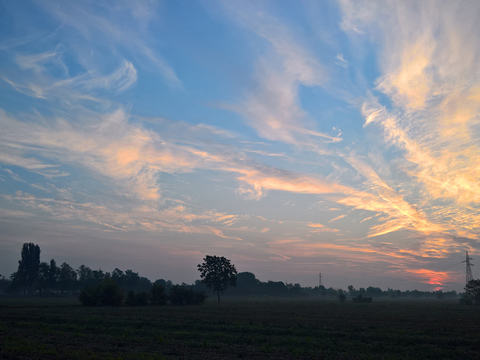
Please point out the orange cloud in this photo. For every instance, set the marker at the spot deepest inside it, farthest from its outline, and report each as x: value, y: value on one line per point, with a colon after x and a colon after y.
x: 430, y: 276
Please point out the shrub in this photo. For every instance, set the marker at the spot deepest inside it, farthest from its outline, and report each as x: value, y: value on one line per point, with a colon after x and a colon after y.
x: 130, y: 300
x: 106, y: 294
x: 200, y: 297
x: 111, y: 293
x: 158, y: 295
x: 90, y: 295
x: 137, y: 299
x: 361, y: 299
x: 180, y: 295
x: 141, y: 298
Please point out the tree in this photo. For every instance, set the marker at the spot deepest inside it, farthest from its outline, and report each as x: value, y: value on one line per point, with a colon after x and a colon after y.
x: 158, y: 295
x: 28, y: 266
x: 107, y: 293
x: 42, y: 280
x: 473, y: 289
x: 67, y: 278
x: 84, y: 275
x: 52, y: 275
x: 217, y: 273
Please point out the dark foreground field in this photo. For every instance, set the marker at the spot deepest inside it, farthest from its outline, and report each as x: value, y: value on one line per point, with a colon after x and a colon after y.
x: 248, y: 329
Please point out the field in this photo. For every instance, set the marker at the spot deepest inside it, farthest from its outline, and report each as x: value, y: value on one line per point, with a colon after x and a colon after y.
x: 240, y: 328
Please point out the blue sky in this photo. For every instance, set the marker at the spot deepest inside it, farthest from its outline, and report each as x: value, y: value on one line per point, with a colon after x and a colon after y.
x: 291, y: 137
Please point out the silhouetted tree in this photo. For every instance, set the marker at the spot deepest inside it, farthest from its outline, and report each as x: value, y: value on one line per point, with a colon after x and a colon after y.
x: 294, y: 289
x: 111, y: 295
x: 274, y: 288
x: 52, y: 275
x: 472, y: 289
x: 66, y: 278
x: 84, y: 276
x: 107, y: 293
x: 361, y: 299
x: 90, y: 295
x: 28, y: 266
x: 42, y: 280
x: 4, y: 284
x: 158, y: 295
x: 137, y: 299
x: 217, y: 273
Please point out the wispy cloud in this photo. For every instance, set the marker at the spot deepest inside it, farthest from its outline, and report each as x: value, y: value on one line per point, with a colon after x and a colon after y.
x: 432, y: 80
x: 122, y: 26
x: 273, y: 109
x: 176, y: 219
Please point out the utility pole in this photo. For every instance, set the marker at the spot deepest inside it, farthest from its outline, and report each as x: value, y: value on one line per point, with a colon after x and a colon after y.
x: 469, y: 275
x: 319, y: 279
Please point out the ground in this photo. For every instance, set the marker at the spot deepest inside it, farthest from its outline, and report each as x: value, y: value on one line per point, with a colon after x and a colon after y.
x: 258, y: 328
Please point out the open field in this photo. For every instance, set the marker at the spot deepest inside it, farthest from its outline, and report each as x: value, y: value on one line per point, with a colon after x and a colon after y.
x: 248, y: 328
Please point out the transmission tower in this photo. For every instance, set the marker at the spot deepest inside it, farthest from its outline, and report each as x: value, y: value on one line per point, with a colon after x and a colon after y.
x: 319, y: 279
x: 469, y: 267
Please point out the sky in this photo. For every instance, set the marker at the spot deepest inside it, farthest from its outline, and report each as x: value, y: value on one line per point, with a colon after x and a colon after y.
x: 293, y: 138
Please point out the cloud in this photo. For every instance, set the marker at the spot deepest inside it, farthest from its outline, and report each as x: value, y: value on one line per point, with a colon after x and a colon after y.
x: 432, y: 277
x: 122, y: 26
x: 341, y: 61
x: 173, y: 219
x: 14, y: 175
x: 273, y: 108
x: 46, y: 76
x: 431, y: 79
x: 338, y: 218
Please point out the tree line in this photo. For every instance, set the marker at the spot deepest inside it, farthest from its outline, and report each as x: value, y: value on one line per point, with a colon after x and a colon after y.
x: 34, y: 277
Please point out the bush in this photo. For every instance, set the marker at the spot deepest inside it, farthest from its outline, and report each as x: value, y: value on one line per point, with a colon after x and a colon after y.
x: 90, y: 295
x: 130, y: 300
x: 138, y: 299
x: 158, y: 295
x: 200, y: 297
x: 180, y: 295
x: 111, y: 293
x: 106, y: 294
x: 361, y: 299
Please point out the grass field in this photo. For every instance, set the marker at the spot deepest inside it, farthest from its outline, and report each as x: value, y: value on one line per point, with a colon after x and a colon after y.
x: 240, y: 328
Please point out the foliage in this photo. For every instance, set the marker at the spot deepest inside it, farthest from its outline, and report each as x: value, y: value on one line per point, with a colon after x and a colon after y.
x: 42, y: 281
x: 472, y: 289
x: 52, y: 274
x: 217, y: 273
x: 360, y: 299
x: 67, y: 278
x: 137, y: 299
x: 341, y: 296
x: 90, y: 295
x: 4, y: 284
x: 181, y: 295
x: 294, y: 289
x: 105, y: 294
x: 28, y: 267
x: 158, y: 294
